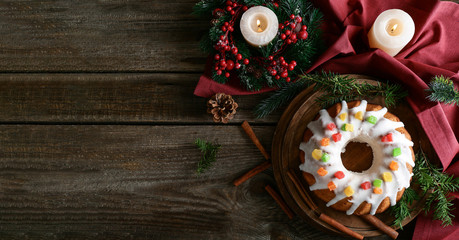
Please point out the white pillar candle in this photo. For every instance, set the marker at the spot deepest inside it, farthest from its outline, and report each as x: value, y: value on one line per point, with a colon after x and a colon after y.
x: 391, y: 31
x: 259, y: 26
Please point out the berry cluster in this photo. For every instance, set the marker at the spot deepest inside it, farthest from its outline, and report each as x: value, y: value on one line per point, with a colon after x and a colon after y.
x: 292, y: 30
x: 279, y: 68
x: 223, y: 63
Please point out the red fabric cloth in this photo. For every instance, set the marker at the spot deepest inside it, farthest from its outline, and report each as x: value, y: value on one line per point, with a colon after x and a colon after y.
x: 433, y: 51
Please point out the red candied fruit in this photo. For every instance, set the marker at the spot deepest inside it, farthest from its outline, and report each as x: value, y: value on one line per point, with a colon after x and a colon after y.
x: 387, y: 138
x: 365, y: 185
x: 339, y: 175
x: 331, y: 126
x: 336, y: 137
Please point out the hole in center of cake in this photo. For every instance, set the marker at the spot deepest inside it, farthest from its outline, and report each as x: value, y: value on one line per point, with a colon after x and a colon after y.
x: 358, y: 157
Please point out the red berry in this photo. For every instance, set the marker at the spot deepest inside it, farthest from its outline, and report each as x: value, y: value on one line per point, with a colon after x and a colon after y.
x: 217, y: 57
x: 276, y: 4
x: 244, y: 8
x: 238, y: 56
x: 281, y: 59
x: 234, y: 5
x: 291, y: 67
x: 277, y: 77
x: 216, y: 68
x: 293, y: 62
x: 229, y: 2
x: 283, y: 36
x: 331, y: 126
x: 304, y: 27
x: 219, y: 72
x: 284, y: 74
x: 229, y: 8
x: 336, y: 137
x: 246, y: 61
x: 299, y: 19
x: 237, y: 65
x: 229, y: 65
x: 232, y: 12
x: 292, y: 25
x: 223, y: 64
x: 234, y: 50
x: 303, y: 35
x: 285, y: 64
x: 227, y: 48
x: 288, y: 32
x: 270, y: 58
x: 293, y: 37
x: 365, y: 185
x: 339, y: 175
x: 274, y: 63
x: 223, y: 28
x: 230, y: 28
x: 287, y: 79
x: 222, y: 37
x: 273, y: 72
x: 294, y: 41
x: 289, y: 41
x: 292, y: 16
x: 226, y: 24
x: 227, y: 74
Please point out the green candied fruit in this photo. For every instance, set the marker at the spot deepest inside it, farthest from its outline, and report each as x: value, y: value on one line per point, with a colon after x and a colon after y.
x: 343, y: 127
x: 372, y: 119
x: 377, y: 183
x: 325, y: 157
x: 397, y: 152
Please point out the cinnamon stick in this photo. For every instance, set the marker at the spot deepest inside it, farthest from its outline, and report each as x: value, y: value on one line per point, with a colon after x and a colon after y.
x: 279, y: 201
x: 302, y: 191
x: 248, y: 129
x: 380, y: 225
x: 339, y: 226
x: 258, y: 169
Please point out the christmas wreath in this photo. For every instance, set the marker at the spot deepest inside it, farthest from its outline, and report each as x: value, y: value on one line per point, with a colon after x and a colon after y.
x: 293, y: 49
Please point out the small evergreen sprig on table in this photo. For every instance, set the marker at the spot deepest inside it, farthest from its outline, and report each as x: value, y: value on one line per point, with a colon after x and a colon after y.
x: 337, y: 88
x: 442, y: 90
x: 434, y: 182
x: 209, y: 154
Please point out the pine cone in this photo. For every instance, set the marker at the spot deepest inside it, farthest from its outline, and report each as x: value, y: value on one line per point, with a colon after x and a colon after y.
x: 222, y: 107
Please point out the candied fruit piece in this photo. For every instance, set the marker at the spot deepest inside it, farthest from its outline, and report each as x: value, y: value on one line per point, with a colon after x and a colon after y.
x: 336, y: 137
x: 331, y: 126
x: 377, y: 182
x: 316, y: 154
x: 331, y: 185
x: 349, y: 191
x: 365, y: 185
x: 372, y: 119
x: 387, y: 138
x: 377, y: 190
x: 397, y: 152
x: 393, y: 166
x: 322, y: 172
x: 347, y: 127
x: 339, y: 175
x: 387, y: 176
x: 343, y: 116
x: 359, y: 115
x: 325, y: 142
x: 325, y: 157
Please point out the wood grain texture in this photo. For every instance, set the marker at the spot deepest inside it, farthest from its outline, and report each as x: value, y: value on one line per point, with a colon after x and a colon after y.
x: 101, y: 36
x: 112, y: 98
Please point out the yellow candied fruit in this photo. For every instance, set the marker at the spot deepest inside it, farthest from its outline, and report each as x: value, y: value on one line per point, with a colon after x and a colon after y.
x: 349, y: 127
x: 322, y: 172
x: 377, y: 190
x: 343, y: 116
x: 359, y: 115
x: 317, y: 154
x: 393, y: 166
x: 387, y: 177
x: 349, y: 191
x: 331, y: 185
x: 325, y: 142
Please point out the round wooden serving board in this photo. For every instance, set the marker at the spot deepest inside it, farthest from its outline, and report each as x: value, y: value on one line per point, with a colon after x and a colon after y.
x: 285, y: 157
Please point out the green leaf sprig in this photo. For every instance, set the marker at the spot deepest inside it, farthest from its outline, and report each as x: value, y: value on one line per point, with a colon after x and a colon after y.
x: 442, y: 90
x: 209, y: 154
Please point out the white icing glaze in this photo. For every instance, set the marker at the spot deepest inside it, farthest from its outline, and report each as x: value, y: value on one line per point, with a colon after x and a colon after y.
x: 365, y: 132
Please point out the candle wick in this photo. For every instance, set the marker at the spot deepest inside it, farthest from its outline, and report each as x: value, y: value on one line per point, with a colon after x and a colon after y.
x: 258, y: 25
x: 392, y: 30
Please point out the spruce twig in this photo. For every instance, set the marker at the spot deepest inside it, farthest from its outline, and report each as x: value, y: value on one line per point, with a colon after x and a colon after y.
x: 402, y: 209
x: 442, y: 90
x: 209, y: 154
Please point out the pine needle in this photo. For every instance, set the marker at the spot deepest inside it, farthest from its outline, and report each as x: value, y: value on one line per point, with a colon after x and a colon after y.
x: 442, y: 90
x: 402, y: 209
x: 209, y: 154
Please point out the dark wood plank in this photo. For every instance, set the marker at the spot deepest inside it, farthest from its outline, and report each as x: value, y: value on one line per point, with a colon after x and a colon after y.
x: 108, y: 36
x: 125, y: 98
x: 135, y: 182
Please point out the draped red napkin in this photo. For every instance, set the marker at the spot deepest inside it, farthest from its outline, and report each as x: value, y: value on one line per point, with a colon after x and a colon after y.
x: 434, y: 50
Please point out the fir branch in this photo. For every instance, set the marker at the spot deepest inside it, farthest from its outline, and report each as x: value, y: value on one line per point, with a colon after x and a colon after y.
x: 336, y: 87
x: 432, y: 179
x: 442, y: 90
x: 402, y: 209
x: 209, y: 154
x: 205, y: 7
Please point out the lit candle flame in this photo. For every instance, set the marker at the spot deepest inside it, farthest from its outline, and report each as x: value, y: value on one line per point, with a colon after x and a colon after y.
x: 392, y: 30
x: 258, y: 26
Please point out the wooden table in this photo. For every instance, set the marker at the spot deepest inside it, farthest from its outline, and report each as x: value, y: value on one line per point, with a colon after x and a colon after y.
x: 98, y: 121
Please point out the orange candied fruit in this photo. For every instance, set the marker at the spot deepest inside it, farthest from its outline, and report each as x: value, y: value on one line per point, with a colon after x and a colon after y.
x: 377, y: 190
x: 331, y: 185
x: 393, y: 166
x: 325, y: 142
x: 322, y: 172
